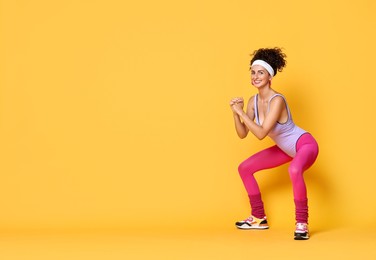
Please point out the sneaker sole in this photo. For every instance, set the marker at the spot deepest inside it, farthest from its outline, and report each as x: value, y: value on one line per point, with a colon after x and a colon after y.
x: 245, y: 226
x: 301, y: 237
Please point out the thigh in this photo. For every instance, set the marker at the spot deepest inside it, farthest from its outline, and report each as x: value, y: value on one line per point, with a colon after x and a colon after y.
x: 307, y: 152
x: 268, y: 158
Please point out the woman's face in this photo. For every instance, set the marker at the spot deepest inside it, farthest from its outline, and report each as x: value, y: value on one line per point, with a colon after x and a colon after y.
x: 259, y: 76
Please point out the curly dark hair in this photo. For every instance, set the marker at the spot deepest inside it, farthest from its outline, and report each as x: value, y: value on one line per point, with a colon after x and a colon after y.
x: 274, y: 56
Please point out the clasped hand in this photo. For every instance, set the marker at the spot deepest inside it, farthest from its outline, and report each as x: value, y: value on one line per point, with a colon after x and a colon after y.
x: 237, y: 105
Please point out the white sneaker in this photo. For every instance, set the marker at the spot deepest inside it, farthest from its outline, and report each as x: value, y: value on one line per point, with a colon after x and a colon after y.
x: 301, y: 231
x: 253, y: 223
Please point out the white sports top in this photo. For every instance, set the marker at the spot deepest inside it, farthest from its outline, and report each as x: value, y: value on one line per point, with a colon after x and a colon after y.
x: 285, y: 135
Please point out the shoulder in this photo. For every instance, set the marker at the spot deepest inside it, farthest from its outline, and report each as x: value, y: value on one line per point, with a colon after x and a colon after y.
x: 277, y: 100
x: 251, y: 99
x: 250, y: 106
x: 278, y: 97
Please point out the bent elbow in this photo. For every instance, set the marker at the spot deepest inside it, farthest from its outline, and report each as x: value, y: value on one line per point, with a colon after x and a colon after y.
x: 261, y: 136
x: 242, y: 136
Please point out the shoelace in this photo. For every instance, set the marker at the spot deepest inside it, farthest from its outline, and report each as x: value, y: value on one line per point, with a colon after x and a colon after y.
x: 250, y: 219
x: 301, y: 226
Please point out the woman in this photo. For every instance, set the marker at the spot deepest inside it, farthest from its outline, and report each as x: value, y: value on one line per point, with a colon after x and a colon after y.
x: 268, y: 114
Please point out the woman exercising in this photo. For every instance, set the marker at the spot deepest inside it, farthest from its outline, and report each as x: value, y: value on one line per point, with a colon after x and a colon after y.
x: 268, y: 114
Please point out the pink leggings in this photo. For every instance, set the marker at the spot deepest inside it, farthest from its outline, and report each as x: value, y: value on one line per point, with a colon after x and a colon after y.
x: 306, y: 154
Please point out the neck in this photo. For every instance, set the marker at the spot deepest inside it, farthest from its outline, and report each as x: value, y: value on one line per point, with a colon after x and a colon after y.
x: 265, y: 92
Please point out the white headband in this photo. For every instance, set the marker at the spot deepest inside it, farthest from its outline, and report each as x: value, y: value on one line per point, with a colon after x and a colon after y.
x: 265, y: 65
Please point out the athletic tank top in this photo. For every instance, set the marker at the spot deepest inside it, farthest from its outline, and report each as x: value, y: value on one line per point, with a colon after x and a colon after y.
x: 285, y: 135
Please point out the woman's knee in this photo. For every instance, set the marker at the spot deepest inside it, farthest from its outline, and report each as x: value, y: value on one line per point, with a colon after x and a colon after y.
x: 295, y: 172
x: 246, y: 167
x: 242, y: 168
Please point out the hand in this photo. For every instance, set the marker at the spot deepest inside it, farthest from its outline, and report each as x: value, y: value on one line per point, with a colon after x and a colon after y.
x: 237, y: 104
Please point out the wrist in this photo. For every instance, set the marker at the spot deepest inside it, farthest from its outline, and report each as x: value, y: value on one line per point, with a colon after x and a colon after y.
x: 241, y: 113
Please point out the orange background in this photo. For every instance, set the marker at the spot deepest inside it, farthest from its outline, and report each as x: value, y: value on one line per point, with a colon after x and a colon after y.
x: 114, y: 114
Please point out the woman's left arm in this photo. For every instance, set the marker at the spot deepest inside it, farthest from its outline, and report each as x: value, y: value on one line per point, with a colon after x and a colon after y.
x: 261, y: 131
